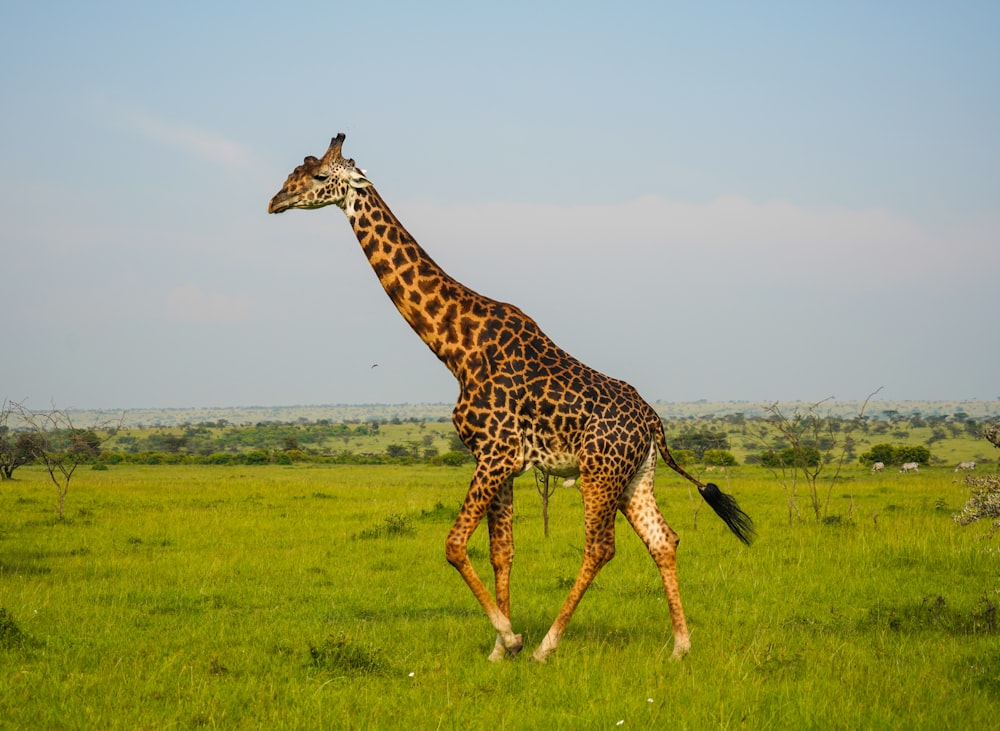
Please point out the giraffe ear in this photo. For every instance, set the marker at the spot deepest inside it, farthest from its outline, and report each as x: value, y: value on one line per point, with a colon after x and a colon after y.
x: 357, y: 179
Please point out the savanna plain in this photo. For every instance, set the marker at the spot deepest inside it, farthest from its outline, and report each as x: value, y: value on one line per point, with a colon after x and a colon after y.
x: 317, y: 596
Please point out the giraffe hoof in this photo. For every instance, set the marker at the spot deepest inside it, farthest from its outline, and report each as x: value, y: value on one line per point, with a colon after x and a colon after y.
x: 502, y: 651
x: 540, y: 657
x: 680, y: 650
x: 515, y: 647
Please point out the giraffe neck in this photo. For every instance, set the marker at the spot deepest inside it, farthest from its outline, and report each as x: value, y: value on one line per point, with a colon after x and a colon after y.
x: 438, y: 307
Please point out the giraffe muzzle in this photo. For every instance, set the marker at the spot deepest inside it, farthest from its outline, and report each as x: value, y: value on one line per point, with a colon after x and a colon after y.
x: 279, y: 203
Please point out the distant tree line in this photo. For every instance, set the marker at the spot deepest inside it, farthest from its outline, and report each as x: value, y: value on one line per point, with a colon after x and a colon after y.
x: 805, y: 449
x: 211, y: 438
x: 806, y: 440
x: 394, y: 454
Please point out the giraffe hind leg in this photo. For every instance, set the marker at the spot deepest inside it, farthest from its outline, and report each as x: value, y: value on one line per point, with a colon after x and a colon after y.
x: 639, y: 507
x: 599, y: 548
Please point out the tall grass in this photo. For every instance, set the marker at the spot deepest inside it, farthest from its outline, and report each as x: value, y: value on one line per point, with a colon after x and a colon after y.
x: 290, y: 597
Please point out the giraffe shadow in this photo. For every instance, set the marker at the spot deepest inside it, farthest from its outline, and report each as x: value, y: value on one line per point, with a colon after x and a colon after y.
x: 23, y: 568
x: 389, y: 614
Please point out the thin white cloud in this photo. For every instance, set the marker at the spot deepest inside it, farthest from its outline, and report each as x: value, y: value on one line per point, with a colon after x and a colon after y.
x: 202, y: 143
x: 830, y: 246
x: 189, y: 302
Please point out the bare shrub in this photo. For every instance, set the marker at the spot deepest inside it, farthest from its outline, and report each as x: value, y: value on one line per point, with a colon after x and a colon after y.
x: 984, y: 498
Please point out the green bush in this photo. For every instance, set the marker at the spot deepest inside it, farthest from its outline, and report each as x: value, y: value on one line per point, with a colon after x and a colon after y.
x: 810, y: 456
x: 718, y: 458
x: 890, y: 454
x: 451, y: 459
x: 258, y: 456
x: 913, y: 453
x: 684, y: 456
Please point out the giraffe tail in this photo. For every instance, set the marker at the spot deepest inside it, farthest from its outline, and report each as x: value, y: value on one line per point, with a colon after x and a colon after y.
x: 725, y: 506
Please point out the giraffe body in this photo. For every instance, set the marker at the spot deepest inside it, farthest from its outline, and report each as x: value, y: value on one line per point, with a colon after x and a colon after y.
x: 523, y: 402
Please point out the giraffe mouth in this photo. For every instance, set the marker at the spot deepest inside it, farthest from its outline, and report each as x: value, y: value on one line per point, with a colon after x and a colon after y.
x: 278, y: 204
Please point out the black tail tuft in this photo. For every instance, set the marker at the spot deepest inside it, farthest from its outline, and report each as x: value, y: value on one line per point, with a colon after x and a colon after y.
x: 726, y: 508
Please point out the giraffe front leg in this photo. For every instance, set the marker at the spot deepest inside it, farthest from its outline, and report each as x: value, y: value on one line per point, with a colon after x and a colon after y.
x: 507, y: 641
x: 500, y: 519
x: 469, y: 517
x: 458, y: 557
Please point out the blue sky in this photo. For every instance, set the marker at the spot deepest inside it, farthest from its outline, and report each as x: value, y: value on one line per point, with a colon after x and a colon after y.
x: 727, y: 201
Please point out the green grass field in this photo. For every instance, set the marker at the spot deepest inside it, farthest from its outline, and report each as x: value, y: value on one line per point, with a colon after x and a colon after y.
x: 319, y: 597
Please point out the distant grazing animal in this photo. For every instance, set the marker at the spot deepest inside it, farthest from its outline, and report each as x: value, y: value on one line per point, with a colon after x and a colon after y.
x: 524, y: 402
x: 878, y: 466
x: 965, y: 466
x: 910, y: 467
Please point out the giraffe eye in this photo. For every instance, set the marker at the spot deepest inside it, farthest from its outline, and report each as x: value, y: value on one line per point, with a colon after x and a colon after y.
x: 320, y: 178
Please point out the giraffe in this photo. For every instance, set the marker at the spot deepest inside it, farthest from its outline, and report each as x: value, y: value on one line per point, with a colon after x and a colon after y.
x: 523, y: 402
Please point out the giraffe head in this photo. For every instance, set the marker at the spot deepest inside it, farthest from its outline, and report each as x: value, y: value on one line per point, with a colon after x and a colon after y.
x: 320, y: 182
